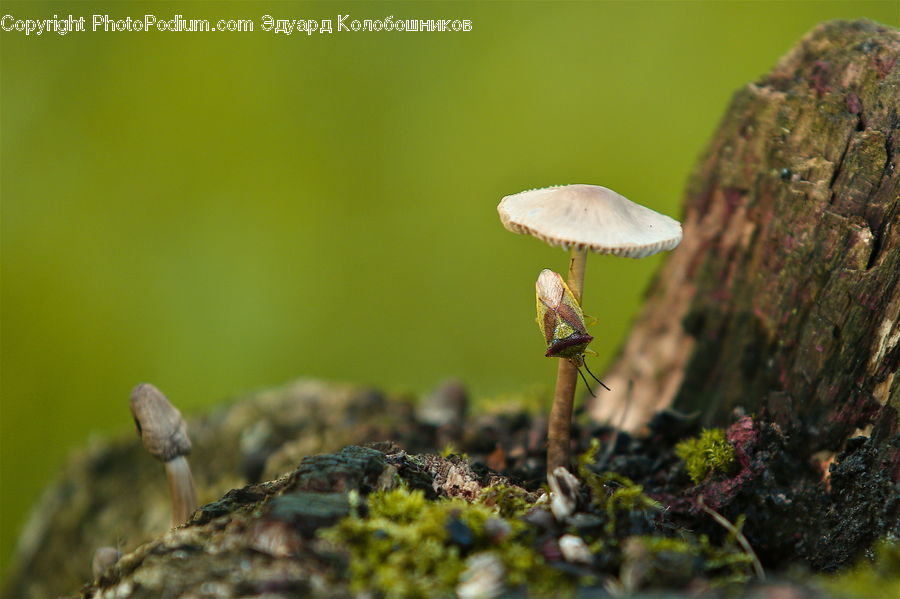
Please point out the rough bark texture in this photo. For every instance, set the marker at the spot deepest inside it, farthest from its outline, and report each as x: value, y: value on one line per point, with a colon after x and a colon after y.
x: 261, y: 539
x: 784, y: 296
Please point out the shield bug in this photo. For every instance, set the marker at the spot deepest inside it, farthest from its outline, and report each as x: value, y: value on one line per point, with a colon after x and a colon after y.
x: 561, y: 320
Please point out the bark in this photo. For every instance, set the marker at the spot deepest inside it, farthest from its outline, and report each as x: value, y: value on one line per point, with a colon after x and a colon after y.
x: 261, y: 539
x: 783, y: 298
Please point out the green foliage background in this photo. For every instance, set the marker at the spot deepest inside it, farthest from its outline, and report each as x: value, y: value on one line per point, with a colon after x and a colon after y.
x: 218, y: 212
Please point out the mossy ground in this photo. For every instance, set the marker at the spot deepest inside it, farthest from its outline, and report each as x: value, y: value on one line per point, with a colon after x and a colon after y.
x: 408, y: 546
x: 680, y: 509
x: 401, y: 544
x: 377, y: 521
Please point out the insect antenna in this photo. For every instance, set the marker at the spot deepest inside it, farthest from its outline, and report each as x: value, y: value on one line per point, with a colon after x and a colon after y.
x: 595, y: 378
x: 591, y: 391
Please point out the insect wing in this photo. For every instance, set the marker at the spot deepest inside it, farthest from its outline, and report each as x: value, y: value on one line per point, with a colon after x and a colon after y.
x: 553, y: 295
x: 549, y: 290
x: 570, y: 312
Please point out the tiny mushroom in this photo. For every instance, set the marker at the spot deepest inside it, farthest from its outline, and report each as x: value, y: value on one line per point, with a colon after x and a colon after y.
x: 164, y: 434
x: 580, y: 218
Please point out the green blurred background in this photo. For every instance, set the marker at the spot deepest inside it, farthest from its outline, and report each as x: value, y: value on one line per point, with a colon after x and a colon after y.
x: 218, y: 212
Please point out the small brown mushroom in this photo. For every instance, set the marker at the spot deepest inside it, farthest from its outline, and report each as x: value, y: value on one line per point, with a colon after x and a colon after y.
x: 164, y: 434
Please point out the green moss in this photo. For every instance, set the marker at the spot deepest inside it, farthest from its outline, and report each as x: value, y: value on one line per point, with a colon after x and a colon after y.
x: 526, y: 568
x: 588, y: 459
x: 400, y: 549
x: 398, y: 505
x: 510, y: 502
x: 672, y: 561
x: 706, y: 454
x: 669, y: 544
x: 727, y: 564
x: 870, y: 578
x: 627, y: 496
x: 404, y: 547
x: 666, y: 561
x: 617, y: 495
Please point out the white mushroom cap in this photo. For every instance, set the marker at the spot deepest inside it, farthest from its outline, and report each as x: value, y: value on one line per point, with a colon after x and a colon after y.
x: 591, y: 217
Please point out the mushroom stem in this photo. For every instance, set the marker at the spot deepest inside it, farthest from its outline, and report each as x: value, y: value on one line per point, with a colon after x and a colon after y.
x: 560, y: 425
x: 577, y: 262
x: 181, y: 486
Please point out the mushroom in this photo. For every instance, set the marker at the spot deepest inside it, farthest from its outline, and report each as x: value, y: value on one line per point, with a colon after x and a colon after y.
x: 164, y: 434
x: 581, y: 218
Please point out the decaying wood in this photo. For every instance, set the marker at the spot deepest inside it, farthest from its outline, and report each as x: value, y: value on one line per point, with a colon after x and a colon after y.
x: 114, y: 494
x: 784, y: 296
x: 261, y: 539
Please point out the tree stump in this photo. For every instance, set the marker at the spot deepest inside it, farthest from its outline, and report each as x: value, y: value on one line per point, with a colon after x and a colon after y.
x: 783, y: 298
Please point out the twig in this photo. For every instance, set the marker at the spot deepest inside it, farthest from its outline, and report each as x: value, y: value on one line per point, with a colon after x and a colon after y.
x: 741, y: 539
